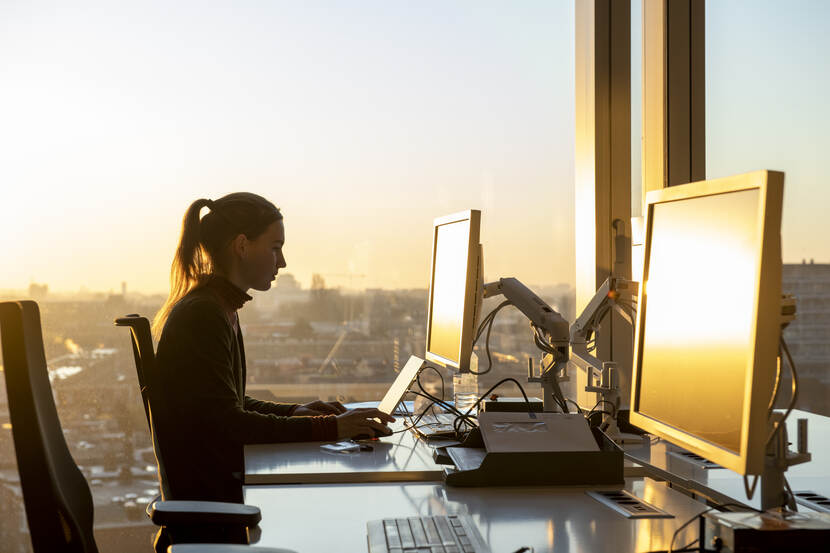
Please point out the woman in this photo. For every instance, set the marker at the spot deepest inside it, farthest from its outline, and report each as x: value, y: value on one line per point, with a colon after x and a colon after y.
x: 205, y: 417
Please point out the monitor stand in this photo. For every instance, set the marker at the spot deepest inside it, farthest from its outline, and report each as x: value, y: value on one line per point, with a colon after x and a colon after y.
x: 775, y: 494
x: 778, y: 527
x: 767, y: 532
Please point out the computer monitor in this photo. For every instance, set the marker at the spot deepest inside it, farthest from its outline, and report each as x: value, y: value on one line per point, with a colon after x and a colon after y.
x: 708, y: 323
x: 455, y: 289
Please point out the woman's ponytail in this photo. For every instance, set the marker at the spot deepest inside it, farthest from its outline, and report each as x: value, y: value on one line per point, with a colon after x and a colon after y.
x: 189, y: 263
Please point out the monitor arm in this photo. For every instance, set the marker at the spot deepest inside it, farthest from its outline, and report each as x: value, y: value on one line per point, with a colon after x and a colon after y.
x: 604, y: 374
x: 605, y: 298
x: 545, y: 320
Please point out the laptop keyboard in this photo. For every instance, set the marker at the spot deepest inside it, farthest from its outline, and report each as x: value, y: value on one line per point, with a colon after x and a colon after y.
x: 428, y: 534
x: 440, y: 424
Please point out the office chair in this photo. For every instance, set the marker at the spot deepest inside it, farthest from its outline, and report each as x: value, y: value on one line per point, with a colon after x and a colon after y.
x: 145, y: 364
x: 56, y: 496
x: 145, y: 367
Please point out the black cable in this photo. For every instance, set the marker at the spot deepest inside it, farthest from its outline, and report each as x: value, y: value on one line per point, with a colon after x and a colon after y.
x: 597, y: 319
x: 488, y: 322
x: 777, y: 386
x: 594, y: 408
x: 689, y: 546
x: 440, y: 402
x: 467, y: 419
x: 578, y: 408
x: 487, y: 349
x: 794, y: 393
x: 557, y: 394
x: 487, y: 393
x: 459, y: 415
x: 750, y: 489
x: 432, y: 403
x: 794, y: 397
x: 413, y: 423
x: 429, y: 396
x: 542, y: 342
x: 686, y: 549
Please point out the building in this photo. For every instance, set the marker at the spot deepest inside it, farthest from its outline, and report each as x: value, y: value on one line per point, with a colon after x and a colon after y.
x: 808, y: 336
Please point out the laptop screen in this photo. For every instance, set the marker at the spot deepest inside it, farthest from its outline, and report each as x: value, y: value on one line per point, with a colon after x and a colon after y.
x: 398, y: 388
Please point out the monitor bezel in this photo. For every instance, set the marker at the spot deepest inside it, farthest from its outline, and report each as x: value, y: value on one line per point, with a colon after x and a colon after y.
x: 470, y: 289
x: 766, y: 328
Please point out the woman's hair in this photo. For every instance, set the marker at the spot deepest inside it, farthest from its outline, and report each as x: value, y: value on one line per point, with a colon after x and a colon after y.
x: 204, y: 238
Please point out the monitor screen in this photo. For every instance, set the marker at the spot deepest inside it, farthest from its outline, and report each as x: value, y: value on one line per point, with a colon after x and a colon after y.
x: 698, y: 326
x: 708, y: 322
x: 453, y: 289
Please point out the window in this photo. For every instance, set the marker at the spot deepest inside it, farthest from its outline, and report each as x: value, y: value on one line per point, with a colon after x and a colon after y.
x: 362, y: 121
x: 767, y: 68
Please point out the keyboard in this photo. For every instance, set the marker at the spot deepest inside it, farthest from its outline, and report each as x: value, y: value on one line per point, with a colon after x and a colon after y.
x: 440, y: 424
x: 428, y: 534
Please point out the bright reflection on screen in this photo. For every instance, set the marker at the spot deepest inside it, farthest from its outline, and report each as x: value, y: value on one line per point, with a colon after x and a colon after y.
x: 448, y: 286
x: 699, y: 308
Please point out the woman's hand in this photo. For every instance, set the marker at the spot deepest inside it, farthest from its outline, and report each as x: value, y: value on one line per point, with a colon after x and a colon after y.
x: 362, y: 422
x: 318, y: 407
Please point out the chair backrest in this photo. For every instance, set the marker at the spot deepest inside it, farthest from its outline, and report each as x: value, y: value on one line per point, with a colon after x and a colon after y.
x: 145, y: 357
x: 56, y: 496
x: 145, y: 366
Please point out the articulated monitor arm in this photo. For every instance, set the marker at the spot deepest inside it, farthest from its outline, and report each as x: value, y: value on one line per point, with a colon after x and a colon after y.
x: 532, y: 306
x: 602, y: 373
x: 552, y: 336
x: 605, y: 299
x: 564, y: 343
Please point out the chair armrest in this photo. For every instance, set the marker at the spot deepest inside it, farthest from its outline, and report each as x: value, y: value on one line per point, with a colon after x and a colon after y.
x: 193, y: 513
x: 214, y: 548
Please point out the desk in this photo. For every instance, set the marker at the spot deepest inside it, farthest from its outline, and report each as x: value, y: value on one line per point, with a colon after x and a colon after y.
x: 319, y: 512
x: 813, y: 476
x: 400, y: 457
x: 332, y: 517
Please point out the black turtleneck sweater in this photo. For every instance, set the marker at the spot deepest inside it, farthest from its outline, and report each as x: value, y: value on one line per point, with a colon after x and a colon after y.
x: 204, y: 417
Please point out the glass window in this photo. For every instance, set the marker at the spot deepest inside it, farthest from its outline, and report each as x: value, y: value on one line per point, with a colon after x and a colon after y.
x: 767, y: 75
x: 636, y: 108
x: 362, y: 121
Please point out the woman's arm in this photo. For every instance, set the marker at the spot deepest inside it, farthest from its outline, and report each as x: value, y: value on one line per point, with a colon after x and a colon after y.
x: 269, y: 407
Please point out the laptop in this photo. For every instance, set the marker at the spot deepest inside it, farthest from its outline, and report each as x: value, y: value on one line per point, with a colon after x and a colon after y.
x: 430, y: 425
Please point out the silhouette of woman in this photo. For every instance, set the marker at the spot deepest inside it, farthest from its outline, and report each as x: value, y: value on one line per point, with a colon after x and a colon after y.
x: 205, y: 417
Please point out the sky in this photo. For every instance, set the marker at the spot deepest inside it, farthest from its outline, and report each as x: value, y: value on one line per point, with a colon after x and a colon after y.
x: 363, y: 121
x: 767, y: 84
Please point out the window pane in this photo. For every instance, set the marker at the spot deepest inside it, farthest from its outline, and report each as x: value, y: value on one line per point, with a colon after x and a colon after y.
x: 363, y: 121
x: 636, y: 108
x: 767, y: 75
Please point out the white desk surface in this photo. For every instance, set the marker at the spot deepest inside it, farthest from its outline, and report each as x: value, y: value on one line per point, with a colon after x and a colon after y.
x: 315, y: 516
x: 397, y: 458
x: 332, y: 517
x: 813, y: 476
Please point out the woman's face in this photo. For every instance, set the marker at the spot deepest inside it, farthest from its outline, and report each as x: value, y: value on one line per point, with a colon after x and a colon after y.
x: 263, y: 257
